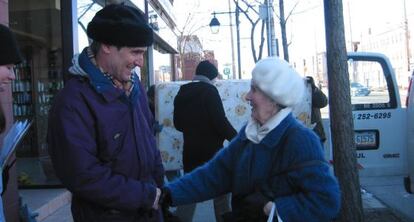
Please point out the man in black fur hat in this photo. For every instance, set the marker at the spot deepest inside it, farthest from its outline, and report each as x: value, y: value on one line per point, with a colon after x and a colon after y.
x: 100, y: 132
x: 199, y: 114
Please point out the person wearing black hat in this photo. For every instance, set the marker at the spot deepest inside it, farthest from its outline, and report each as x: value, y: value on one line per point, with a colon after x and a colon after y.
x: 319, y: 101
x: 200, y: 116
x: 9, y: 56
x: 100, y: 134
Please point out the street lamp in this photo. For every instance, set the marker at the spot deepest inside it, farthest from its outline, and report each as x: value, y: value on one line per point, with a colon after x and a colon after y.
x: 215, y: 26
x: 153, y: 22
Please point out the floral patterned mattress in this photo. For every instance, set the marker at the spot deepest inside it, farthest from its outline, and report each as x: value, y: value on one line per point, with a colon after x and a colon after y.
x: 233, y: 94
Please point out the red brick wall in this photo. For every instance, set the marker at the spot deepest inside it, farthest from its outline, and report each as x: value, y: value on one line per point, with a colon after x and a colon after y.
x: 190, y: 62
x: 11, y: 196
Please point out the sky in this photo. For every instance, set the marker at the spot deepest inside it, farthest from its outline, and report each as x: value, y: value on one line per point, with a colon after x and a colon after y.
x: 82, y: 6
x: 200, y: 15
x: 305, y: 27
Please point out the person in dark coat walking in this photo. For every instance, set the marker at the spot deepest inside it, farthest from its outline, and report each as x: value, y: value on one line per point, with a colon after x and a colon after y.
x: 199, y: 114
x: 319, y: 101
x: 100, y: 134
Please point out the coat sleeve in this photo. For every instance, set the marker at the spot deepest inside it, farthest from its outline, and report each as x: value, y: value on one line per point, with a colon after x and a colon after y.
x: 158, y: 171
x: 218, y: 116
x: 207, y: 181
x: 317, y: 195
x: 73, y: 150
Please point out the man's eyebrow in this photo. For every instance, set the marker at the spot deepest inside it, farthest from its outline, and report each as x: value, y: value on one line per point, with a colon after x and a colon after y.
x: 139, y: 50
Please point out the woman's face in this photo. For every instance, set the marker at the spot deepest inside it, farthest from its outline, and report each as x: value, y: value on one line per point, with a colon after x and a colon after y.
x: 6, y: 75
x: 263, y: 107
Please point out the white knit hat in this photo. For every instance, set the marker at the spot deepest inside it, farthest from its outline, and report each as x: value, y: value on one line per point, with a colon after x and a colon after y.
x: 278, y: 80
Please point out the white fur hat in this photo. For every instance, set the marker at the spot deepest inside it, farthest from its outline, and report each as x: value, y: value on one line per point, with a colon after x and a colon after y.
x: 278, y: 80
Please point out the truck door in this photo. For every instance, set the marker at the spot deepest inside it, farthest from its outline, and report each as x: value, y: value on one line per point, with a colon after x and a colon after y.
x: 379, y: 119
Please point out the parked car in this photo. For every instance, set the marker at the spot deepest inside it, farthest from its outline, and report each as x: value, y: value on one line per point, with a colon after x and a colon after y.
x: 357, y: 89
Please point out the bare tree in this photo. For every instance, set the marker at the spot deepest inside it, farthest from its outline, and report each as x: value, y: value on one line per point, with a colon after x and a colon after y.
x: 185, y: 33
x: 345, y: 163
x: 252, y: 15
x: 82, y: 10
x: 282, y: 21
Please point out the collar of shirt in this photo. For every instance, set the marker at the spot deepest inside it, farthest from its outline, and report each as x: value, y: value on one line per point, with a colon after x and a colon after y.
x: 256, y: 132
x: 104, y: 84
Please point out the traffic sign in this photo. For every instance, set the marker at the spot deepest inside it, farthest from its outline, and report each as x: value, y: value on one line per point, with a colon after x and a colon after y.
x: 226, y: 71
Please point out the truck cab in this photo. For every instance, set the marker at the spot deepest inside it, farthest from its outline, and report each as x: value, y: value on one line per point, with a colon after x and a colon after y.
x: 380, y: 122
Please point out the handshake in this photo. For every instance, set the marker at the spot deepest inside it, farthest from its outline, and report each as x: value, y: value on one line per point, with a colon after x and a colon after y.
x: 165, y: 201
x: 254, y: 207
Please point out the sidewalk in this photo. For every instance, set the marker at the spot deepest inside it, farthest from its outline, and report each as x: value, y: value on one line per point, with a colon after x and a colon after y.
x: 384, y: 200
x: 390, y: 192
x: 45, y: 202
x: 376, y: 211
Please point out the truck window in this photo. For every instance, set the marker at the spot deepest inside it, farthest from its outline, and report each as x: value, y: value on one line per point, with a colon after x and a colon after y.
x: 369, y: 86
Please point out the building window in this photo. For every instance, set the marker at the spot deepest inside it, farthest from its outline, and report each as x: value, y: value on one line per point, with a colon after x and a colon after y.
x: 38, y: 79
x: 162, y: 67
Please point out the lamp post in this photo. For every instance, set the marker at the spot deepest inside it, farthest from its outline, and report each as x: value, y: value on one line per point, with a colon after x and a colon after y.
x: 215, y: 26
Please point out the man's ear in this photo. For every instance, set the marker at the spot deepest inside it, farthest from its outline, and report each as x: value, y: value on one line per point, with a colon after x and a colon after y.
x: 106, y: 48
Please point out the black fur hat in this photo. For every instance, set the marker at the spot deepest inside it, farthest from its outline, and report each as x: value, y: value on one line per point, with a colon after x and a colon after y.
x: 120, y: 25
x: 207, y: 69
x: 9, y: 52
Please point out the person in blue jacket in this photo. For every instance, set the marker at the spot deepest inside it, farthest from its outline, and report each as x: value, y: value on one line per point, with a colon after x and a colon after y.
x: 9, y: 56
x: 100, y: 133
x: 274, y: 164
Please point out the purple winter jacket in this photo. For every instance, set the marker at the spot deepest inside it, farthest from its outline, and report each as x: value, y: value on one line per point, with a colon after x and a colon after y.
x: 103, y: 149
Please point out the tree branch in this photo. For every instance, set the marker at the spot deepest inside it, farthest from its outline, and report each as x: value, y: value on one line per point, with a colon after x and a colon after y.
x: 291, y: 11
x: 262, y: 40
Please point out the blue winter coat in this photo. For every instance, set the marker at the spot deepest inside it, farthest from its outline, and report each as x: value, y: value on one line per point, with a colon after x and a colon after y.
x: 310, y: 192
x: 103, y: 149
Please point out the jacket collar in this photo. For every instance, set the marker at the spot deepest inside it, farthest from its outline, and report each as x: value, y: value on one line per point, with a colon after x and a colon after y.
x: 101, y: 83
x: 202, y: 78
x: 275, y: 135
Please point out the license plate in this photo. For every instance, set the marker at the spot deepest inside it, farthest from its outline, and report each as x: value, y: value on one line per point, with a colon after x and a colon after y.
x: 366, y: 139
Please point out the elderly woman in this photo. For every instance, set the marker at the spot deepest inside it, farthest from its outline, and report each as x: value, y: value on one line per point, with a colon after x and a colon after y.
x: 273, y: 161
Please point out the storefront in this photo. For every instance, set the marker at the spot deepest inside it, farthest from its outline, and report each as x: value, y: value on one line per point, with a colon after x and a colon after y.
x: 49, y: 32
x: 165, y: 47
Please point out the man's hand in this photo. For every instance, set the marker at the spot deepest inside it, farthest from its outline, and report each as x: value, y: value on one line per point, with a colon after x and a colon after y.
x: 165, y: 198
x: 157, y: 198
x: 268, y: 207
x: 165, y: 203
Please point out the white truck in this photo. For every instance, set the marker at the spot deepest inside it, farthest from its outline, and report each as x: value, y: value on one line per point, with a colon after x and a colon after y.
x: 383, y: 127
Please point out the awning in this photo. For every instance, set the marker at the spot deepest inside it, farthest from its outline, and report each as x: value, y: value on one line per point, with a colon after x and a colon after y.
x: 162, y: 46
